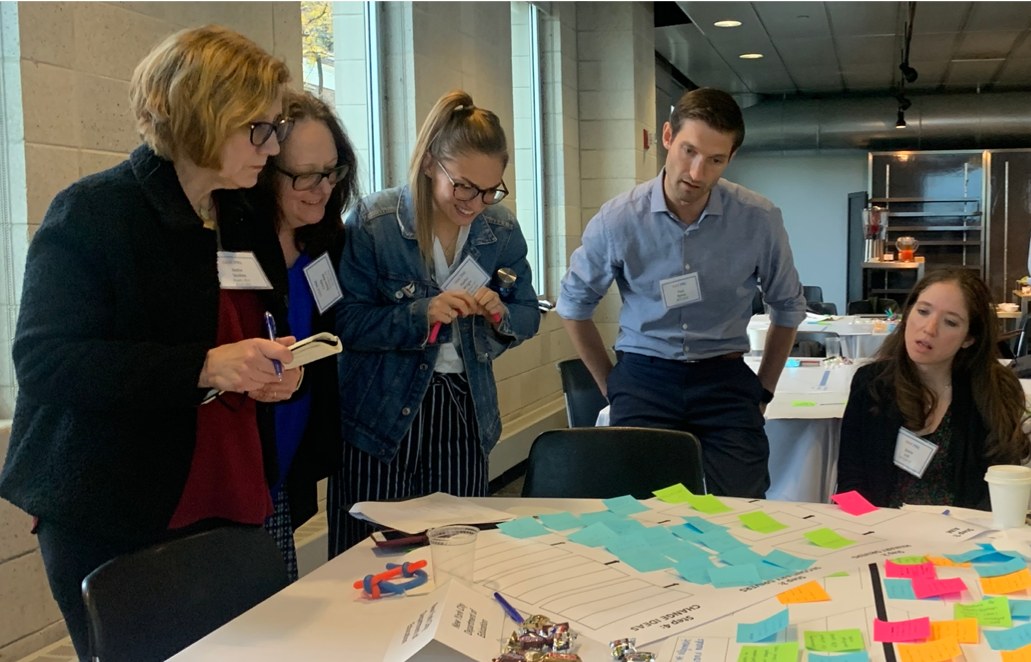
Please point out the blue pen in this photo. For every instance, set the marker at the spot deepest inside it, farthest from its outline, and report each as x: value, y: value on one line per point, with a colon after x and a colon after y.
x: 509, y: 609
x: 270, y: 325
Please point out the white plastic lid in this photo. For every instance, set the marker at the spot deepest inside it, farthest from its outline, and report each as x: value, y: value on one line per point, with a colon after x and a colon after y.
x: 1008, y: 474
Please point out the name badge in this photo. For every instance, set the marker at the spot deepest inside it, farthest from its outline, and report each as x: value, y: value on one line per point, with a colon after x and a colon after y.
x: 912, y: 453
x: 322, y: 281
x: 680, y: 291
x: 241, y: 271
x: 469, y: 276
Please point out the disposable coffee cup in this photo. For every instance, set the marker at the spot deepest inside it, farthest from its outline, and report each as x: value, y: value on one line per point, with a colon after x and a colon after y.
x: 453, y: 551
x: 1009, y: 487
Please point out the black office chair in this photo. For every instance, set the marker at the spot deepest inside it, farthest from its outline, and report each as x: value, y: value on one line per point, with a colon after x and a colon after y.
x: 600, y: 463
x: 149, y: 605
x: 811, y: 343
x: 822, y: 308
x: 1017, y: 341
x: 872, y: 306
x: 812, y: 293
x: 758, y: 307
x: 583, y: 397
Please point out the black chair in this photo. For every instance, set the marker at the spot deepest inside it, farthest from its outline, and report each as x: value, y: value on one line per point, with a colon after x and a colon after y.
x: 600, y: 463
x: 1017, y: 341
x: 822, y: 308
x: 151, y: 604
x: 812, y: 293
x: 758, y: 307
x: 872, y: 306
x: 811, y: 343
x: 583, y: 397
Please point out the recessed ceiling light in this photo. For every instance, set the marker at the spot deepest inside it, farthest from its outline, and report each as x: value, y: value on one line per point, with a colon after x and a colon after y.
x: 727, y: 24
x: 750, y: 56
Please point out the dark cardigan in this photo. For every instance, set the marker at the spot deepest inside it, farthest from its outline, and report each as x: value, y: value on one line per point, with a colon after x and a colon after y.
x: 119, y: 309
x: 866, y: 461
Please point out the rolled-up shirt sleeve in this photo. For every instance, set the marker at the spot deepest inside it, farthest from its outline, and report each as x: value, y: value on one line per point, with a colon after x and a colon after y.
x: 782, y: 289
x: 590, y: 273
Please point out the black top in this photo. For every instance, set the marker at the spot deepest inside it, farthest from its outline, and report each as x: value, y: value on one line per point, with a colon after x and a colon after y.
x: 865, y: 463
x: 119, y: 309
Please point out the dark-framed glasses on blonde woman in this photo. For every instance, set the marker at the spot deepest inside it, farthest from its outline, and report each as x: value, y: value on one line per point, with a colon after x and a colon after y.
x: 465, y: 192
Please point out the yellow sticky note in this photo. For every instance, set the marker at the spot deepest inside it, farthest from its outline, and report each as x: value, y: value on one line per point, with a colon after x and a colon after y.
x: 943, y: 562
x: 964, y: 630
x: 808, y: 592
x: 932, y: 651
x: 1004, y: 584
x: 1019, y: 655
x: 674, y: 494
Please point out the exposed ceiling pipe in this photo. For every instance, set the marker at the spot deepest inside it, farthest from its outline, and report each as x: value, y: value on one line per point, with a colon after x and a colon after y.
x: 954, y: 121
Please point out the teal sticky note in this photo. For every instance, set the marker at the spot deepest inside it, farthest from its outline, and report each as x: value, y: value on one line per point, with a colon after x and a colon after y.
x: 626, y: 543
x: 720, y: 541
x: 1009, y: 640
x: 624, y: 526
x: 694, y: 570
x: 658, y: 536
x: 734, y: 575
x: 967, y: 557
x: 645, y: 560
x: 750, y: 633
x: 624, y: 505
x: 769, y: 573
x: 1020, y: 608
x: 683, y: 551
x: 858, y: 656
x: 740, y: 556
x: 524, y: 527
x: 999, y: 569
x: 899, y: 589
x: 593, y: 536
x: 685, y: 532
x: 787, y: 561
x: 605, y: 516
x: 560, y: 521
x: 702, y: 525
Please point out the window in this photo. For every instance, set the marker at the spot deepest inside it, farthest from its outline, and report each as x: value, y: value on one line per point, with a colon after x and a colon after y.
x: 528, y: 139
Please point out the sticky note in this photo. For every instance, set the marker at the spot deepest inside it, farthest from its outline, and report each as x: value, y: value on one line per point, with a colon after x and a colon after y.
x: 853, y: 503
x: 761, y: 522
x: 826, y: 538
x: 626, y: 543
x: 624, y: 505
x: 694, y: 570
x: 1009, y: 640
x: 624, y: 526
x: 899, y: 589
x: 594, y: 535
x: 966, y: 557
x: 894, y: 570
x: 858, y: 656
x: 913, y: 560
x: 990, y: 612
x: 964, y: 631
x: 787, y: 561
x: 932, y: 651
x: 1019, y: 655
x: 702, y: 525
x: 524, y: 527
x: 673, y: 494
x: 834, y: 641
x: 943, y: 562
x: 720, y: 541
x: 750, y: 633
x: 1017, y: 581
x: 708, y: 504
x: 645, y: 560
x: 998, y: 569
x: 932, y: 588
x: 605, y: 516
x: 914, y: 629
x: 808, y: 592
x: 1020, y: 608
x: 740, y: 556
x: 803, y: 403
x: 838, y: 574
x: 685, y: 532
x: 769, y: 653
x: 683, y: 551
x: 658, y: 536
x: 769, y: 573
x: 560, y: 521
x: 734, y: 575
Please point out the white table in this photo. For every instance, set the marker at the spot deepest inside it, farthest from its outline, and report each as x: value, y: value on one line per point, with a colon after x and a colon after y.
x: 858, y: 340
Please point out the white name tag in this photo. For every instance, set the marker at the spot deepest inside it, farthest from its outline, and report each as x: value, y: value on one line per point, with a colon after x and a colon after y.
x: 322, y: 281
x: 241, y: 271
x: 680, y: 291
x: 469, y: 276
x: 912, y: 453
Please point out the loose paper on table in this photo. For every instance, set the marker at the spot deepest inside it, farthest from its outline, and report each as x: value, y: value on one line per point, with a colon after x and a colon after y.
x: 417, y: 515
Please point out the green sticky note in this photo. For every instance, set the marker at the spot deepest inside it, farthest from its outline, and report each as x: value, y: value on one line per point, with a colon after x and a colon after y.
x: 826, y: 538
x: 802, y: 403
x: 674, y: 494
x: 994, y: 612
x: 761, y: 522
x: 708, y: 504
x: 835, y: 641
x: 910, y: 560
x: 769, y: 653
x: 839, y: 574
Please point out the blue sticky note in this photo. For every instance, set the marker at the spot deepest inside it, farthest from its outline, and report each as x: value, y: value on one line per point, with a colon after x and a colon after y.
x: 967, y: 557
x: 625, y: 526
x: 658, y: 536
x: 769, y: 573
x: 685, y: 532
x: 1009, y: 640
x: 999, y: 557
x: 645, y: 560
x: 858, y: 656
x: 740, y: 556
x: 734, y: 575
x: 787, y: 561
x: 694, y: 570
x: 626, y: 543
x: 720, y: 541
x: 624, y: 505
x: 683, y: 551
x: 605, y: 516
x: 524, y: 527
x: 560, y: 521
x: 1020, y: 608
x: 702, y: 525
x: 899, y: 589
x: 750, y: 633
x: 986, y: 545
x: 998, y: 569
x: 593, y: 536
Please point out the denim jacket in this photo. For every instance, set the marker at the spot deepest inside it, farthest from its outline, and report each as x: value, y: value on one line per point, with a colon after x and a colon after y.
x: 387, y: 362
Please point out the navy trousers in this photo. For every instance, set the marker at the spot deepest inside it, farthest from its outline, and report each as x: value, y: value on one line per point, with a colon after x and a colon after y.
x: 716, y: 400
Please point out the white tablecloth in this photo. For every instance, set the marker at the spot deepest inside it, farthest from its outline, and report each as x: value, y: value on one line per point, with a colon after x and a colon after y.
x: 858, y: 340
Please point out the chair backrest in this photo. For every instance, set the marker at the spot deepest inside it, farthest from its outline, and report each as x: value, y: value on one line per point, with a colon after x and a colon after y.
x: 861, y: 307
x: 151, y: 604
x: 583, y: 397
x: 600, y: 463
x: 872, y: 306
x: 811, y: 343
x: 758, y: 308
x: 812, y: 293
x: 1023, y: 346
x: 822, y: 308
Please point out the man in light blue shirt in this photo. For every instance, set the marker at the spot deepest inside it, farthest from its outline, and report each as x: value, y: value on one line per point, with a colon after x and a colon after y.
x: 687, y: 251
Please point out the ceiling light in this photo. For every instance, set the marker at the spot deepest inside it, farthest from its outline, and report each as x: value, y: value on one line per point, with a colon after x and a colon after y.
x: 727, y: 24
x: 750, y: 56
x: 908, y: 72
x: 900, y: 123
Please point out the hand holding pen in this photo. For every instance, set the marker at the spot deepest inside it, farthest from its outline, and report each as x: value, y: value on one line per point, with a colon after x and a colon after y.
x: 270, y: 326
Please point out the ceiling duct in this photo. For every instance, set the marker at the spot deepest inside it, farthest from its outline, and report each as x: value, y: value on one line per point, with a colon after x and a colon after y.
x: 955, y: 121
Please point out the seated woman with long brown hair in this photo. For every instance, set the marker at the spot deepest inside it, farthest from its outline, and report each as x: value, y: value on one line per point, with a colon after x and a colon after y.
x: 935, y: 408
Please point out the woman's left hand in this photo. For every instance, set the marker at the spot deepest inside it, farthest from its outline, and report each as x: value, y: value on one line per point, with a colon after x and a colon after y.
x: 491, y: 304
x: 279, y: 391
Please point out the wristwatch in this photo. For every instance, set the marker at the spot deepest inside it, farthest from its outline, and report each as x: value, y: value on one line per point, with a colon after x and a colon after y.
x: 767, y: 396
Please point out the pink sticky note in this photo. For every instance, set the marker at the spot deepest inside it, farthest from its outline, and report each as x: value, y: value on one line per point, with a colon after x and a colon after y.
x: 853, y: 503
x: 911, y: 630
x: 931, y: 588
x: 895, y: 570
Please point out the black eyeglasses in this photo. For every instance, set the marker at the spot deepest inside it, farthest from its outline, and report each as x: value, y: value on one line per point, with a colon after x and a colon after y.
x: 465, y: 193
x: 310, y: 180
x: 262, y: 131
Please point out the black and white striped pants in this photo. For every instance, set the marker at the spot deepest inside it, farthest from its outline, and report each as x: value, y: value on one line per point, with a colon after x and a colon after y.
x: 440, y: 453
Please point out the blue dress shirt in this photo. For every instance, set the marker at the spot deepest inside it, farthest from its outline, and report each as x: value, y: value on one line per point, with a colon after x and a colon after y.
x: 635, y: 239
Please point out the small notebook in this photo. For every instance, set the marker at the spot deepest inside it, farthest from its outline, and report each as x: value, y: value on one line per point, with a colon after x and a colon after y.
x: 312, y: 349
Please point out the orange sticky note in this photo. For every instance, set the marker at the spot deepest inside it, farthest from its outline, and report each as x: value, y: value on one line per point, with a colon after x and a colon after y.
x: 943, y: 562
x: 964, y: 630
x: 932, y: 651
x: 1019, y: 655
x: 1004, y: 584
x: 808, y: 592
